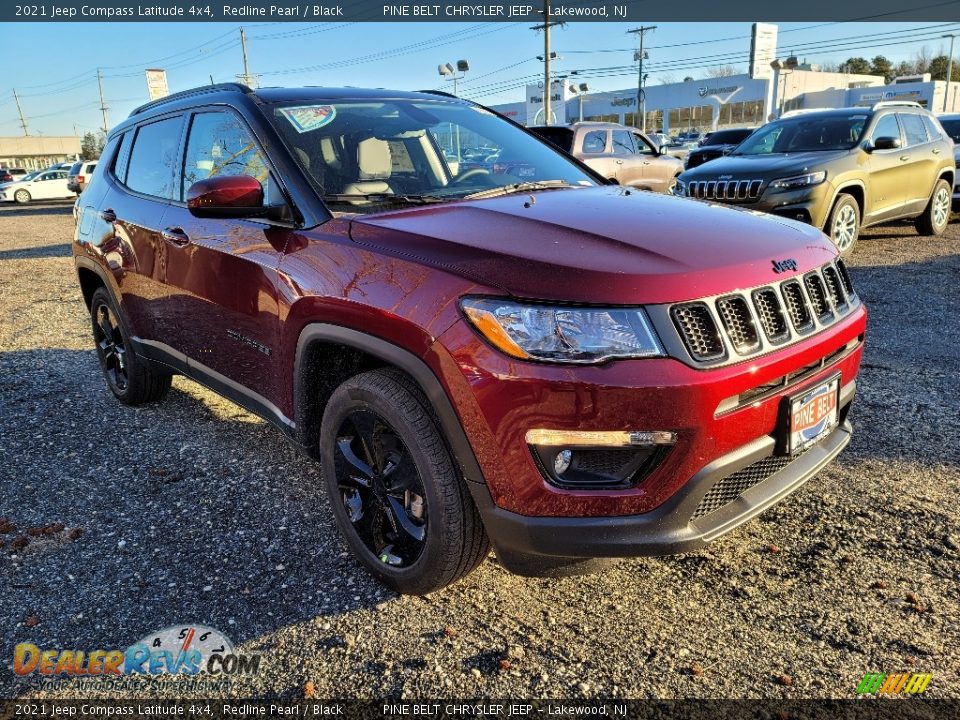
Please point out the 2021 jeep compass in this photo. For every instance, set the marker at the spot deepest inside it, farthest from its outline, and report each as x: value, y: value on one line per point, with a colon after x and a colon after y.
x: 559, y: 367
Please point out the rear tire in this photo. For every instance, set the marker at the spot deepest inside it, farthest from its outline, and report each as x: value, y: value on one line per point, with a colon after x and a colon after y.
x: 129, y: 377
x: 843, y: 225
x: 394, y: 488
x: 936, y: 216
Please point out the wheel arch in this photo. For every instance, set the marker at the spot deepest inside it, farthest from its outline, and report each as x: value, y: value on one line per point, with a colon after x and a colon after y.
x: 90, y: 280
x: 948, y: 175
x: 857, y: 191
x: 326, y: 355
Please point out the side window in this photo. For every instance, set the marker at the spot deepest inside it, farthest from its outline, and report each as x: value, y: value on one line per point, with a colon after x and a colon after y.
x: 123, y: 157
x: 90, y: 168
x: 886, y: 127
x: 914, y: 129
x: 154, y: 157
x: 595, y: 141
x: 642, y: 147
x: 623, y: 143
x: 220, y: 144
x: 933, y: 128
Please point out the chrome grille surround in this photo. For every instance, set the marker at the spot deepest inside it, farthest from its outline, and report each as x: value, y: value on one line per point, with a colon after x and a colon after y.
x: 725, y: 190
x: 732, y: 327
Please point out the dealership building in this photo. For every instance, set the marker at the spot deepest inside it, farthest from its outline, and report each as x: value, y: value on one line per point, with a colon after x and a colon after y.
x: 746, y: 100
x: 35, y: 152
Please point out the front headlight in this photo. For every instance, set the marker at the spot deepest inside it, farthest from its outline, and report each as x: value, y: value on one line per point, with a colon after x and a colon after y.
x: 563, y: 334
x: 680, y: 188
x: 799, y: 181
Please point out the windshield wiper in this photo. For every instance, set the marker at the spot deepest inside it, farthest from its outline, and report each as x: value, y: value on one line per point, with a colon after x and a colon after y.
x: 385, y: 197
x: 519, y: 187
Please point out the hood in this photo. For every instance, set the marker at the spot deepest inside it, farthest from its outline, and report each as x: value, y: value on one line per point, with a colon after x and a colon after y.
x: 765, y: 166
x: 597, y: 245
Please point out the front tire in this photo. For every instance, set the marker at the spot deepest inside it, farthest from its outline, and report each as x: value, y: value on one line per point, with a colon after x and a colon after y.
x: 843, y: 226
x: 936, y: 216
x: 394, y: 488
x: 129, y: 378
x: 22, y: 197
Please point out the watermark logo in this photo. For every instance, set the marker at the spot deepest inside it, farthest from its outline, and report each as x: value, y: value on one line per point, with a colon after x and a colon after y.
x: 894, y: 683
x: 176, y: 650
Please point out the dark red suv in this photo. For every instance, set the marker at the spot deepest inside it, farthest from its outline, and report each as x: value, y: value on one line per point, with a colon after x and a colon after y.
x: 563, y: 368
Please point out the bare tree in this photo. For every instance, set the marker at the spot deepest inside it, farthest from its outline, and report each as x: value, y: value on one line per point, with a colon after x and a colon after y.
x: 668, y: 78
x: 722, y: 71
x: 921, y: 59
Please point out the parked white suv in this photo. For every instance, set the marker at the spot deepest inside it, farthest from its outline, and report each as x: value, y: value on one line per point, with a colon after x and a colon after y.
x: 79, y: 175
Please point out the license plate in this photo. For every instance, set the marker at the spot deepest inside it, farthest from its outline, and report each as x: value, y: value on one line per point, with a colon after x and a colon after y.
x: 814, y: 414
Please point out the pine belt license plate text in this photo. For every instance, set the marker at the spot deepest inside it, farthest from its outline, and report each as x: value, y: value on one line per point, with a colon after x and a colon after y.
x: 814, y: 414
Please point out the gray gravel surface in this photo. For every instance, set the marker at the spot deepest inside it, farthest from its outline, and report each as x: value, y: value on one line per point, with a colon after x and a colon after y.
x: 195, y: 511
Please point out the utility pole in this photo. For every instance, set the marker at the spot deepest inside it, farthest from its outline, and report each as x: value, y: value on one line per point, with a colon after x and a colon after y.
x: 23, y: 120
x: 103, y: 103
x: 641, y: 105
x: 946, y: 90
x: 547, y: 90
x: 246, y: 66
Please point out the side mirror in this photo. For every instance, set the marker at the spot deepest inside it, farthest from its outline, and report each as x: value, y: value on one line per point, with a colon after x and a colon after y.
x: 885, y: 143
x: 226, y: 196
x: 663, y: 149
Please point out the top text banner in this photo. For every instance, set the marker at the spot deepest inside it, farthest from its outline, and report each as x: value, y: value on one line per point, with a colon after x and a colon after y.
x: 530, y: 11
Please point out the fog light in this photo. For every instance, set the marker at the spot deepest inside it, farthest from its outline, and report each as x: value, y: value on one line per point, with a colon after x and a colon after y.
x: 561, y: 462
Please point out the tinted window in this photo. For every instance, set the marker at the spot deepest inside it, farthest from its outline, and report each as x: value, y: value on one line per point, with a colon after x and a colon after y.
x: 933, y: 131
x: 914, y: 129
x: 154, y: 157
x: 90, y: 168
x: 75, y: 168
x: 623, y: 143
x: 220, y: 144
x: 886, y: 127
x: 123, y: 157
x: 595, y: 141
x: 560, y: 136
x: 727, y: 137
x: 952, y: 126
x: 805, y: 134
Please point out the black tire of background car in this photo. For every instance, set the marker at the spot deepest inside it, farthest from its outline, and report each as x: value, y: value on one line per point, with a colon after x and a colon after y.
x: 926, y: 224
x: 456, y: 542
x: 843, y: 200
x: 143, y: 385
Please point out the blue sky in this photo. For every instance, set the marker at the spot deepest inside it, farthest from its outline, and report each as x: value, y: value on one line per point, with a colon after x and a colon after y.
x: 53, y: 65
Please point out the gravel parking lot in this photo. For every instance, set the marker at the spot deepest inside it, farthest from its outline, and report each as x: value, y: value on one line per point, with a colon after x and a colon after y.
x: 195, y: 511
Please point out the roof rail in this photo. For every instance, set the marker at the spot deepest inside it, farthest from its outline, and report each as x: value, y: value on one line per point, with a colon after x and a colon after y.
x: 219, y: 87
x: 440, y: 93
x: 803, y: 111
x: 896, y: 103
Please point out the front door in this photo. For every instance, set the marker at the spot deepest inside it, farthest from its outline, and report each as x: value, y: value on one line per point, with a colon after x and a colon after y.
x: 885, y: 189
x: 223, y: 273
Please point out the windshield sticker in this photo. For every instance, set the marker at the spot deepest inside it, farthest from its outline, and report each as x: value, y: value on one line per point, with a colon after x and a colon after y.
x: 309, y: 117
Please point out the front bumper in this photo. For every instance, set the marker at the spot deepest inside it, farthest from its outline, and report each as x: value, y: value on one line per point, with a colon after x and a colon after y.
x: 682, y: 524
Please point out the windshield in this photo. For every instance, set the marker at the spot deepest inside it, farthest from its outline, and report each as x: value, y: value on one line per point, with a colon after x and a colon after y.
x: 30, y: 176
x: 952, y: 126
x: 805, y: 134
x: 366, y: 155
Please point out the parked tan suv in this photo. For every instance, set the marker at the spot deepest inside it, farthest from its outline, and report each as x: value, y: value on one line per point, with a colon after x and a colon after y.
x: 839, y: 170
x: 617, y: 152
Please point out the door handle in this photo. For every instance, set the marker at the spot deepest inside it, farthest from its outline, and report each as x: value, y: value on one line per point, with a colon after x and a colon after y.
x: 904, y: 158
x: 175, y: 235
x: 619, y: 162
x: 108, y: 215
x: 936, y: 151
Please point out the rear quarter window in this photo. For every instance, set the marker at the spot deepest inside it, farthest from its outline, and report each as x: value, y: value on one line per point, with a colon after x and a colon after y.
x: 914, y: 129
x: 595, y: 141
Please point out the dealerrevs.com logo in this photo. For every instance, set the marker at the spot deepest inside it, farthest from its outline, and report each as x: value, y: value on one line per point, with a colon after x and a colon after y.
x: 176, y: 650
x: 894, y: 683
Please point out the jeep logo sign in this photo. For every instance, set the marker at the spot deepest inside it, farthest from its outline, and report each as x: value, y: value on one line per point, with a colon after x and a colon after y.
x: 780, y: 266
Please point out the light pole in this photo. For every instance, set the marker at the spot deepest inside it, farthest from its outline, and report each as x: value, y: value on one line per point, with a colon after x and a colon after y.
x: 783, y: 69
x: 946, y: 94
x: 579, y: 90
x: 449, y: 72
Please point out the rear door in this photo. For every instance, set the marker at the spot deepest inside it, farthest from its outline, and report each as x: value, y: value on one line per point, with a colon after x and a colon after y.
x: 594, y: 150
x: 920, y: 169
x: 222, y: 273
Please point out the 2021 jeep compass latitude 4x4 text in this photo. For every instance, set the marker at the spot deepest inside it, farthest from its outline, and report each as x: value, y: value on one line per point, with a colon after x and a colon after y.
x: 509, y: 353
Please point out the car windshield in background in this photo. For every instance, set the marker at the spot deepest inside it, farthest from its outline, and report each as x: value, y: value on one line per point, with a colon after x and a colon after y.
x: 805, y: 134
x: 365, y: 154
x: 952, y: 126
x: 726, y: 137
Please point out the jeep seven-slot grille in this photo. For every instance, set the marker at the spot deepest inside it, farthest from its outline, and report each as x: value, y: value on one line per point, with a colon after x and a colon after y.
x: 737, y: 321
x: 844, y: 276
x: 730, y: 326
x: 770, y: 314
x: 726, y: 190
x: 698, y: 330
x: 733, y: 486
